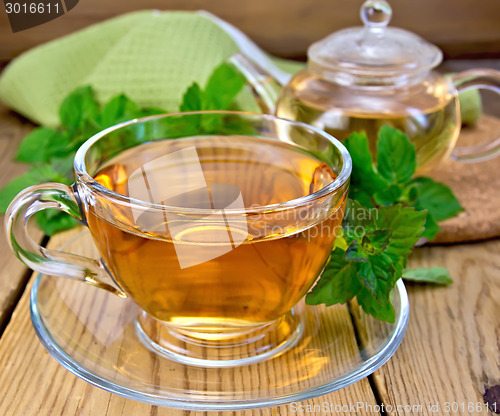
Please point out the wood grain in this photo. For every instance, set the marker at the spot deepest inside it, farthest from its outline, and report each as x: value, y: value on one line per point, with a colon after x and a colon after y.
x: 451, y: 351
x: 287, y: 27
x: 13, y: 272
x: 32, y: 383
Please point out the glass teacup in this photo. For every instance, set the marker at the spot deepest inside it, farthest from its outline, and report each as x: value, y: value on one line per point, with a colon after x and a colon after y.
x: 215, y: 224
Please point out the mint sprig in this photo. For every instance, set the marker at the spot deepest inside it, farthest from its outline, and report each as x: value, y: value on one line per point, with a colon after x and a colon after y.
x: 389, y: 211
x: 391, y: 180
x: 437, y: 275
x: 378, y: 242
x: 51, y: 151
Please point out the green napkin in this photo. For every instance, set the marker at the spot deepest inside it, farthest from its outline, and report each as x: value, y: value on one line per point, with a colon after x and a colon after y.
x: 150, y: 56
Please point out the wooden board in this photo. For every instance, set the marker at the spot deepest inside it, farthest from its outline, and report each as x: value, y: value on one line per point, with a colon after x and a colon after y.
x: 451, y: 351
x: 288, y: 27
x: 13, y: 272
x: 32, y: 383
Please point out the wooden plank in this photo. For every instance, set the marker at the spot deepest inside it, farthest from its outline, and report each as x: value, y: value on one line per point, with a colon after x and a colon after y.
x: 451, y: 352
x: 288, y: 27
x: 12, y: 272
x: 32, y: 383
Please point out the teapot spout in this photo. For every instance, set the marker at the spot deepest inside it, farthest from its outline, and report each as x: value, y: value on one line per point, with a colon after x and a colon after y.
x: 264, y: 86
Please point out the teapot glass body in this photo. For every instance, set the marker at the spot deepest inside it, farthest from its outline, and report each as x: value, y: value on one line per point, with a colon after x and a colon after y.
x: 425, y: 107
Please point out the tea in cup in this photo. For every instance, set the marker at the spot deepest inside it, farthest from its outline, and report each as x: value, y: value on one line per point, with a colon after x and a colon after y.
x: 216, y: 224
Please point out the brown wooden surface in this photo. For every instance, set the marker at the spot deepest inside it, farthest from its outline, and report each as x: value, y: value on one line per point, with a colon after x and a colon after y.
x: 26, y: 370
x: 12, y: 131
x: 451, y: 352
x: 288, y: 27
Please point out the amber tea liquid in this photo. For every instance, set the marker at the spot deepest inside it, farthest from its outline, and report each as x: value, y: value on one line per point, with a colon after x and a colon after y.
x: 253, y: 283
x: 427, y: 113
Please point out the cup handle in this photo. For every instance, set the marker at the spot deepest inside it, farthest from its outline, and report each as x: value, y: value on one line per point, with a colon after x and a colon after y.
x: 488, y: 79
x: 51, y: 262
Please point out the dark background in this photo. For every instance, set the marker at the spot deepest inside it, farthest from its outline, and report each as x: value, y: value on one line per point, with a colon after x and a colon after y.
x: 462, y: 28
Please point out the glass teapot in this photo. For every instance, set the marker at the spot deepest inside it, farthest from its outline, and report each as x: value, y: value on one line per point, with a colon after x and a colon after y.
x: 361, y: 78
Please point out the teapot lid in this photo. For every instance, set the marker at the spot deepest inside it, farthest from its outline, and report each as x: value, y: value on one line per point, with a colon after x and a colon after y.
x: 375, y: 50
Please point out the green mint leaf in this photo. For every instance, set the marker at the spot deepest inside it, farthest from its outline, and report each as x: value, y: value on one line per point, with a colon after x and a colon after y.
x: 437, y: 198
x: 355, y: 252
x: 378, y: 275
x: 193, y: 99
x: 406, y: 224
x: 118, y: 110
x: 431, y: 228
x: 52, y: 221
x: 382, y: 311
x: 150, y: 111
x: 61, y: 145
x: 388, y: 196
x: 396, y: 158
x: 364, y: 173
x: 372, y: 243
x: 439, y: 275
x: 222, y: 87
x: 64, y: 167
x: 35, y: 146
x: 361, y: 196
x: 340, y: 243
x: 79, y: 109
x: 37, y: 174
x: 357, y: 221
x: 337, y: 284
x: 375, y: 242
x: 409, y: 194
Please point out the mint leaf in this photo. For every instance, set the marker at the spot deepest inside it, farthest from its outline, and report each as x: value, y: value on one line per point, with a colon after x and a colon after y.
x: 37, y: 174
x: 150, y: 111
x: 361, y: 196
x: 437, y: 198
x: 193, y: 99
x: 431, y: 228
x: 357, y: 221
x: 355, y: 252
x: 52, y: 221
x: 375, y: 242
x: 34, y: 146
x: 364, y: 173
x: 409, y: 194
x: 388, y: 196
x: 383, y: 311
x: 118, y: 110
x: 337, y: 284
x: 396, y: 158
x: 222, y: 87
x: 79, y: 109
x: 378, y: 275
x: 406, y: 224
x: 439, y: 275
x: 372, y: 243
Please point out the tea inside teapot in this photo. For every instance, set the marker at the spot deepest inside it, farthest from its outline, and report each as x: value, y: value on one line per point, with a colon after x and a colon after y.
x: 428, y: 112
x: 359, y: 79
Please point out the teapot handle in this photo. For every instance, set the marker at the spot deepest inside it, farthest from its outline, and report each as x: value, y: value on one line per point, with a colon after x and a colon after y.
x: 481, y: 79
x: 264, y: 87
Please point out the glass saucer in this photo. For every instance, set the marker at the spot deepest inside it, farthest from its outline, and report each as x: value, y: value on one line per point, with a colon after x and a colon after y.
x: 92, y: 333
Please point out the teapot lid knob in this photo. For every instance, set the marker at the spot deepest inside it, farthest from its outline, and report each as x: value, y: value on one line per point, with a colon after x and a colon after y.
x: 376, y: 14
x: 373, y: 52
